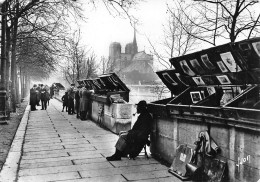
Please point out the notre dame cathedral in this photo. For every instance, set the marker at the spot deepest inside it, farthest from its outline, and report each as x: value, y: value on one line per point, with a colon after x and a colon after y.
x: 132, y: 66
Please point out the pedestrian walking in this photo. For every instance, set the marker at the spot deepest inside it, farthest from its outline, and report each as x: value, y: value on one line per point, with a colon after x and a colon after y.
x: 64, y: 99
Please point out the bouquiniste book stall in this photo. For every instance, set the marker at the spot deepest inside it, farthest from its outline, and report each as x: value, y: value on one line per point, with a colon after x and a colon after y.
x: 215, y: 90
x: 109, y: 102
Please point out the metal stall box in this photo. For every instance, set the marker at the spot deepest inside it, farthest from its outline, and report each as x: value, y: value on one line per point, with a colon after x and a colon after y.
x: 109, y: 102
x: 222, y: 98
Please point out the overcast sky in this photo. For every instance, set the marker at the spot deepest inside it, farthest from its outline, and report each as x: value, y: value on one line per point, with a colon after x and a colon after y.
x: 101, y: 28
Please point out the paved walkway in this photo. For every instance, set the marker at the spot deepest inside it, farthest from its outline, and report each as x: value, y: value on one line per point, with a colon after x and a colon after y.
x: 51, y: 145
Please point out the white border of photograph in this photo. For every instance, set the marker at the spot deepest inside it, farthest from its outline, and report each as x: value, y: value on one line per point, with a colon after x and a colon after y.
x: 192, y: 96
x: 230, y: 62
x: 171, y: 81
x: 257, y: 50
x: 198, y: 80
x: 222, y: 67
x: 223, y: 79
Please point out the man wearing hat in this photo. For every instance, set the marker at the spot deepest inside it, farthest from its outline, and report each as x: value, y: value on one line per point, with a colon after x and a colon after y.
x: 71, y: 96
x: 33, y: 97
x: 132, y: 142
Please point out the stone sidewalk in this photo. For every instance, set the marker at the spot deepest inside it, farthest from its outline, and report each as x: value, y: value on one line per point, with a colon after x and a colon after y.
x: 51, y: 145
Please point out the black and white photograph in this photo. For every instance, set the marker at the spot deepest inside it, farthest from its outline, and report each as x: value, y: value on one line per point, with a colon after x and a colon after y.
x: 223, y: 79
x: 206, y: 62
x: 186, y: 69
x: 169, y: 79
x: 198, y: 80
x: 222, y: 67
x: 195, y: 96
x: 196, y: 65
x: 118, y: 90
x: 230, y: 62
x: 256, y: 46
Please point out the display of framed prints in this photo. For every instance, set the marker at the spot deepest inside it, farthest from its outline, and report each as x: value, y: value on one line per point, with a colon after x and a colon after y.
x: 256, y: 46
x: 230, y: 62
x: 222, y: 67
x: 206, y: 62
x: 223, y: 79
x: 169, y: 79
x: 186, y: 69
x: 198, y: 80
x: 196, y: 65
x: 195, y: 96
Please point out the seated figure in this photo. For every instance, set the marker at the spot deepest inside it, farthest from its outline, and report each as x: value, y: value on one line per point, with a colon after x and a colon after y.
x: 132, y: 142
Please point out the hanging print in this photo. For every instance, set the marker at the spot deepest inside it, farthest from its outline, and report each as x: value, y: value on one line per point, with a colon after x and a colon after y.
x: 222, y: 67
x: 186, y: 69
x: 230, y: 62
x: 198, y: 80
x: 206, y: 62
x: 169, y: 79
x: 196, y: 65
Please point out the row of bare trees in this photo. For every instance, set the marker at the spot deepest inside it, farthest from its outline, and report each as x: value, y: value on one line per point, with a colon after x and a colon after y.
x: 37, y: 35
x: 195, y: 24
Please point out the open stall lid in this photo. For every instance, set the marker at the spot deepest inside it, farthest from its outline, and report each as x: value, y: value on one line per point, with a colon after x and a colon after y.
x: 171, y: 78
x: 113, y: 83
x: 229, y: 64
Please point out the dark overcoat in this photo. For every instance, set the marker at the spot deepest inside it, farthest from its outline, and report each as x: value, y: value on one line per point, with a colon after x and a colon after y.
x: 33, y: 96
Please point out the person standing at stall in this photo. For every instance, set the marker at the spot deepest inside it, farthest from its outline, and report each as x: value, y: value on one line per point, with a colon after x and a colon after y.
x: 71, y: 96
x: 38, y: 94
x: 85, y: 104
x: 33, y: 97
x: 43, y: 97
x: 65, y: 102
x: 77, y: 101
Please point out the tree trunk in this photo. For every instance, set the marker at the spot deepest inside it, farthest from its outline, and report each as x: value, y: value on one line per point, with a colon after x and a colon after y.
x: 13, y: 65
x: 8, y: 65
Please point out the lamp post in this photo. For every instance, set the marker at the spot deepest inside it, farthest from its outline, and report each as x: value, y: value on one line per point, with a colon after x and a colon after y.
x: 3, y: 64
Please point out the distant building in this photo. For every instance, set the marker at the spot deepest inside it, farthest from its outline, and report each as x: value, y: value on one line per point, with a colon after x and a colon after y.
x: 133, y: 67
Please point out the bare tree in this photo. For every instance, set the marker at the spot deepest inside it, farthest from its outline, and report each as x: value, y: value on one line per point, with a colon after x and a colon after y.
x: 176, y: 41
x: 219, y: 20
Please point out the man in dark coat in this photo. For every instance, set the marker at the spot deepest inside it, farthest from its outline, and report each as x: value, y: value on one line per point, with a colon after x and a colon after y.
x: 132, y: 142
x: 43, y: 97
x: 71, y: 96
x: 33, y: 97
x: 77, y: 101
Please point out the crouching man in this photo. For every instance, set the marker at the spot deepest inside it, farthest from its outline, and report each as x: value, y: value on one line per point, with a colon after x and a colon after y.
x: 132, y: 142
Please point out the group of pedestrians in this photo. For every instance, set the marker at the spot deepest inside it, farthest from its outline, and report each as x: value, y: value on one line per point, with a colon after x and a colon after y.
x: 77, y: 101
x: 39, y: 93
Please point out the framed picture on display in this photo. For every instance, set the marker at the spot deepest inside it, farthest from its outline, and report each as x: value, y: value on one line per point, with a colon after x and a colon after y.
x: 206, y: 62
x: 195, y: 96
x: 230, y: 62
x: 198, y: 80
x: 167, y: 77
x: 186, y: 69
x: 196, y: 65
x: 256, y: 46
x: 222, y: 67
x: 223, y: 79
x: 211, y: 90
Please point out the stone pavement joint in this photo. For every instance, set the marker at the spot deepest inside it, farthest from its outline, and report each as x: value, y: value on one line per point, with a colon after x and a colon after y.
x: 51, y: 145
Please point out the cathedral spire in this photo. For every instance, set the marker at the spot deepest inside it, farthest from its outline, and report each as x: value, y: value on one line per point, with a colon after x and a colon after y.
x: 135, y: 48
